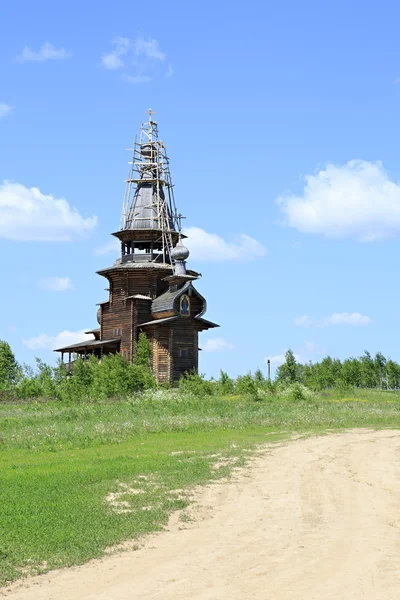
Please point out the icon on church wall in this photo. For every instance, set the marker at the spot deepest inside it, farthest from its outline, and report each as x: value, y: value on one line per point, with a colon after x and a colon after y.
x: 185, y: 305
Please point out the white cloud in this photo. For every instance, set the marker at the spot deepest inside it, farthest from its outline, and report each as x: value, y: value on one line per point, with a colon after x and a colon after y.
x: 344, y: 318
x: 136, y: 79
x: 356, y: 199
x: 217, y: 345
x: 169, y: 72
x: 27, y: 214
x: 207, y: 247
x: 64, y: 338
x: 306, y: 352
x: 349, y: 319
x: 114, y: 60
x: 303, y: 321
x: 143, y: 54
x: 210, y: 247
x: 111, y: 246
x: 46, y: 52
x: 56, y: 284
x: 279, y: 359
x: 5, y: 109
x: 148, y: 48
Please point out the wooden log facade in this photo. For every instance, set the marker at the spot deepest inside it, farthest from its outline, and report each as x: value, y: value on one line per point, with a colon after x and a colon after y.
x: 149, y: 288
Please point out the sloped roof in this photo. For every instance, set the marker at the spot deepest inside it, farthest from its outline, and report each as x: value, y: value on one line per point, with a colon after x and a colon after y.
x: 144, y: 212
x: 127, y: 266
x: 89, y: 344
x: 204, y: 323
x: 166, y: 301
x: 209, y: 324
x: 158, y: 321
x: 139, y: 297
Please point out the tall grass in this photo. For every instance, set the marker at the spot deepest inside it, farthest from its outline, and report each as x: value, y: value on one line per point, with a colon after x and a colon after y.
x: 51, y: 425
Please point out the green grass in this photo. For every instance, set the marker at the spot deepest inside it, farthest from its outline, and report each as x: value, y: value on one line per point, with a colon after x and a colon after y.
x: 59, y: 464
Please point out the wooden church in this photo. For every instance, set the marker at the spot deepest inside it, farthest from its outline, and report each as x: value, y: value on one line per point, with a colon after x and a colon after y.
x: 150, y: 289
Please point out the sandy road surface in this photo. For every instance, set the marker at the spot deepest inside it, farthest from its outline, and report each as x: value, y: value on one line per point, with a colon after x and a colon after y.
x: 317, y: 518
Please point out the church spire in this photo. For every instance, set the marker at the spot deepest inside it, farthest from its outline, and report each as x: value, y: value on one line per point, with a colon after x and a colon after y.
x: 149, y: 219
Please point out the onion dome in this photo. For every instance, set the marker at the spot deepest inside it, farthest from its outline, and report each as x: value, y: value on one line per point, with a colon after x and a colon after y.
x: 180, y: 252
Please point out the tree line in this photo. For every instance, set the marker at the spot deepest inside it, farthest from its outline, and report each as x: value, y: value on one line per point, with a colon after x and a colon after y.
x: 366, y: 371
x: 114, y: 377
x: 89, y: 379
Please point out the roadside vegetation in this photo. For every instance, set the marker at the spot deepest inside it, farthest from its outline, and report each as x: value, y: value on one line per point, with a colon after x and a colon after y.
x: 90, y: 460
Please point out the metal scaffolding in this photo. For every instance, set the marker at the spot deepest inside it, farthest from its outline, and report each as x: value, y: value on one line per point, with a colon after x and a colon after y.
x: 149, y: 202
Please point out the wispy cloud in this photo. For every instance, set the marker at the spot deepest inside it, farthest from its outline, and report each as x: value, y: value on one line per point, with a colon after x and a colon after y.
x: 52, y: 342
x: 343, y: 318
x: 140, y: 55
x: 5, y: 109
x: 114, y: 59
x: 169, y: 72
x: 210, y: 247
x: 46, y: 52
x: 279, y: 359
x: 112, y: 246
x: 27, y: 214
x: 136, y: 79
x: 149, y: 49
x: 55, y: 284
x: 217, y: 345
x: 303, y: 354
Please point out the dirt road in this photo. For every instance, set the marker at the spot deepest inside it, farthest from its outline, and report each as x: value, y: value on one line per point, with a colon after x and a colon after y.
x: 317, y: 518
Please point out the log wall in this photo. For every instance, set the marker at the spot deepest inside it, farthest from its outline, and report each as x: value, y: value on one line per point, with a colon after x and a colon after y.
x: 174, y: 346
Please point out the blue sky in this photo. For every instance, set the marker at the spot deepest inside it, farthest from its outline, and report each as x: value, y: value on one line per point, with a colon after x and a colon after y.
x: 282, y: 126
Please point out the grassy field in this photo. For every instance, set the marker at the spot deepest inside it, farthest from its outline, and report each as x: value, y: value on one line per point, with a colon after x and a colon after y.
x: 77, y: 479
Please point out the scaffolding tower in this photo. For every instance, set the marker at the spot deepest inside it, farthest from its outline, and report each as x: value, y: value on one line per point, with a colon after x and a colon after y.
x: 149, y: 202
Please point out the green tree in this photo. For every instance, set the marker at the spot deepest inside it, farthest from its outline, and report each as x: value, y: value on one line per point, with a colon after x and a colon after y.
x: 393, y: 374
x: 289, y: 371
x: 8, y: 365
x: 225, y: 383
x: 310, y: 378
x: 368, y: 372
x: 351, y: 372
x: 259, y: 377
x: 245, y: 385
x: 380, y: 368
x: 143, y: 351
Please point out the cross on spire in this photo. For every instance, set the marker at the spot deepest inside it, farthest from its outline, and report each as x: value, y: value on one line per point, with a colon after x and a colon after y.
x: 150, y: 113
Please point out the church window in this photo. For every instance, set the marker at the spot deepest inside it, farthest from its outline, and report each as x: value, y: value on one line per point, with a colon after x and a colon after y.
x: 183, y: 352
x: 117, y: 331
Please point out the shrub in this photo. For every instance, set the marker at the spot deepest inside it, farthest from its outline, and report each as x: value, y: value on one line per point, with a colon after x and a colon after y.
x: 246, y: 385
x: 296, y: 392
x: 194, y: 383
x: 225, y: 384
